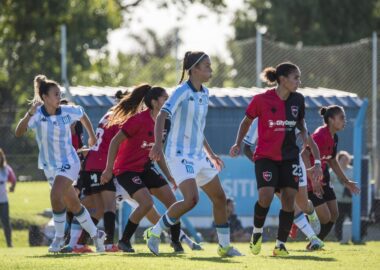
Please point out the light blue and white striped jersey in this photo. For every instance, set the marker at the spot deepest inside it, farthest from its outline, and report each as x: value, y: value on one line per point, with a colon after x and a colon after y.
x: 252, y: 135
x: 53, y: 136
x: 187, y: 109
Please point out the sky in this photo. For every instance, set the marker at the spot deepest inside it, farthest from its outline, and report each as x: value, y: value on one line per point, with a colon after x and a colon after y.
x: 200, y: 28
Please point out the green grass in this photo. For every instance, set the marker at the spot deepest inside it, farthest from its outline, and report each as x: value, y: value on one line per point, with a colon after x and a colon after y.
x: 30, y: 199
x: 27, y: 203
x: 335, y: 256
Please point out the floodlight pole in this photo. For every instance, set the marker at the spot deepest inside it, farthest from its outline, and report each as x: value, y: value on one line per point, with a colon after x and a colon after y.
x: 64, y: 79
x: 259, y: 56
x: 375, y: 160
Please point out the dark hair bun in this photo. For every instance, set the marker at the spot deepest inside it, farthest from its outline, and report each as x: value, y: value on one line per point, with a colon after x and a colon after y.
x: 323, y: 111
x: 269, y: 75
x: 119, y: 94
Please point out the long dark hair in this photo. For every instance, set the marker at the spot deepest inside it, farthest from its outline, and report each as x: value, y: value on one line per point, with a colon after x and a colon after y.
x: 191, y: 60
x: 134, y: 102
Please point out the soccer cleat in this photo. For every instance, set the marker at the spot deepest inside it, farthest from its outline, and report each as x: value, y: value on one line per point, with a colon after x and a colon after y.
x: 190, y: 243
x: 314, y: 222
x: 228, y: 251
x: 196, y: 246
x: 99, y: 241
x: 82, y: 249
x: 56, y: 245
x: 66, y: 249
x: 152, y: 240
x: 315, y: 244
x: 125, y: 246
x: 280, y: 251
x: 177, y: 246
x: 293, y: 231
x: 255, y: 244
x: 112, y: 248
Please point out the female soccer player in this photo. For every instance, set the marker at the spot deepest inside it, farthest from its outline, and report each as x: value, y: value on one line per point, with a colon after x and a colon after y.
x: 303, y: 205
x: 189, y: 157
x: 327, y: 140
x: 51, y: 123
x: 279, y: 111
x: 128, y: 157
x: 6, y: 175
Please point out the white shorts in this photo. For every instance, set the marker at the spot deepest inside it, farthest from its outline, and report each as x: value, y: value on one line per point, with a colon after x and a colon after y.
x: 122, y: 194
x: 303, y: 180
x: 70, y: 171
x: 183, y: 168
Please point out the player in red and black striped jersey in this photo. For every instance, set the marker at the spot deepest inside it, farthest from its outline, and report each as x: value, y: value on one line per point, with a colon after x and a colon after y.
x: 327, y: 140
x: 128, y: 158
x: 279, y: 111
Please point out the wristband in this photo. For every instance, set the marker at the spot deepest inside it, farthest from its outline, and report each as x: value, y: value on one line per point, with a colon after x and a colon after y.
x: 317, y: 161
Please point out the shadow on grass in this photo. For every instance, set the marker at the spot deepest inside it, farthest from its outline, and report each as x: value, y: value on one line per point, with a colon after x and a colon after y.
x: 305, y: 257
x: 151, y: 255
x: 62, y: 255
x: 215, y: 259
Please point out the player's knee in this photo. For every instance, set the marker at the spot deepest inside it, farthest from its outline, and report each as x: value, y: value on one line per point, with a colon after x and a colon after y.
x: 304, y: 206
x: 146, y: 205
x: 324, y: 218
x: 265, y: 202
x: 191, y: 202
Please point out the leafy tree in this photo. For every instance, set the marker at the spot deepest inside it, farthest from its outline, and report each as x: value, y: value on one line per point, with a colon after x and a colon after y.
x: 312, y: 22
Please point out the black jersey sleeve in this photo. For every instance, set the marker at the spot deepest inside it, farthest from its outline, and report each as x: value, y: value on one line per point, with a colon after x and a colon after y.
x: 335, y: 149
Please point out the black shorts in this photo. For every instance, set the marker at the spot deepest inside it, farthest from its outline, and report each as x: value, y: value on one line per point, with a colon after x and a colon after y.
x: 90, y: 183
x: 328, y: 195
x: 278, y: 174
x: 133, y: 181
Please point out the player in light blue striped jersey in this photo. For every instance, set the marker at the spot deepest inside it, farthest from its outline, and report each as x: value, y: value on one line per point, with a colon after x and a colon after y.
x: 51, y: 123
x: 188, y: 155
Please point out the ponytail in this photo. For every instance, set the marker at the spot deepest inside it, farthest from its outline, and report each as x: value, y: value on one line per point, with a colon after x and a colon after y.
x: 129, y: 105
x: 190, y: 61
x: 41, y: 87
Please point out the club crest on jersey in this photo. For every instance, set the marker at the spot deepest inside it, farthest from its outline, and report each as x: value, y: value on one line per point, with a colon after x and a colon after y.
x: 294, y: 110
x: 189, y: 166
x: 267, y: 176
x: 137, y: 180
x: 66, y: 119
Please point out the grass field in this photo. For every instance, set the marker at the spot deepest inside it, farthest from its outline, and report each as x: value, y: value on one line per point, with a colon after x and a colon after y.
x: 30, y: 199
x: 28, y: 202
x: 366, y: 257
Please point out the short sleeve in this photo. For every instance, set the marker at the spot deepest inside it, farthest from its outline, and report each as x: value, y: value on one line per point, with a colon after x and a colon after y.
x: 252, y: 109
x: 175, y: 100
x: 33, y: 121
x: 252, y: 135
x: 76, y: 113
x: 131, y: 127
